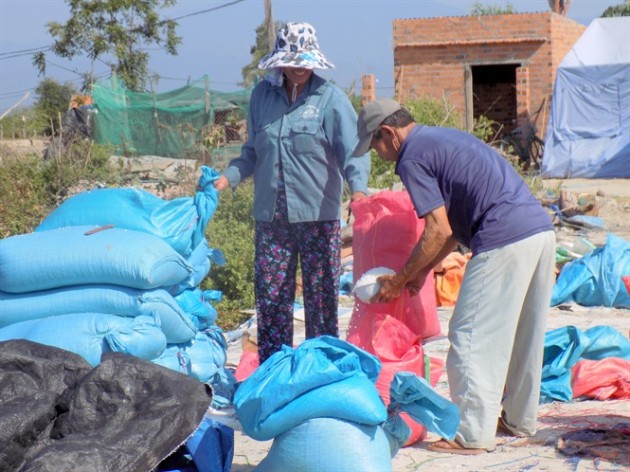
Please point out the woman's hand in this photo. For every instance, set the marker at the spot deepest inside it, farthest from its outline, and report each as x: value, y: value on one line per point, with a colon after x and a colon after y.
x: 357, y: 196
x: 221, y: 183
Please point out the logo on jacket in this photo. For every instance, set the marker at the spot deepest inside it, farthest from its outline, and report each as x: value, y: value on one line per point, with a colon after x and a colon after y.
x: 310, y: 112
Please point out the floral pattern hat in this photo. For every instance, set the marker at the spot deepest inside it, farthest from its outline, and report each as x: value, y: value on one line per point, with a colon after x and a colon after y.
x: 296, y: 46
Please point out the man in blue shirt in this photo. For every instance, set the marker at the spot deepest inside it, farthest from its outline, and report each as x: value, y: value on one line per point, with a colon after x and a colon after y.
x: 302, y: 131
x: 468, y: 194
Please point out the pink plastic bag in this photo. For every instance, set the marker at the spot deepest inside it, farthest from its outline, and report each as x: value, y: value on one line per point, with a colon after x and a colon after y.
x: 385, y: 231
x: 399, y: 349
x: 601, y: 380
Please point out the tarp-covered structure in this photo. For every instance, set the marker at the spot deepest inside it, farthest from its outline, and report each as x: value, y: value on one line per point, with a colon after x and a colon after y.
x: 589, y: 129
x: 168, y: 124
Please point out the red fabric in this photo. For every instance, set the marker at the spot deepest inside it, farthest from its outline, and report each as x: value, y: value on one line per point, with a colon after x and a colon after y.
x: 247, y: 364
x: 601, y: 380
x: 626, y: 282
x: 385, y: 231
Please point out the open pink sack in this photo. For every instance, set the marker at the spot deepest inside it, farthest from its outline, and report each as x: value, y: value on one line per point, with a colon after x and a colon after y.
x: 385, y: 231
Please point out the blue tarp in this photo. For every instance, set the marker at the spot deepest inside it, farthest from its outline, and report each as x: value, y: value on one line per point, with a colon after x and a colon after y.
x: 589, y: 125
x: 596, y: 278
x: 566, y: 346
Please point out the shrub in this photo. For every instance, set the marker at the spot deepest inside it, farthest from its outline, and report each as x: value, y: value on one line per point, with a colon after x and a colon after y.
x: 32, y: 187
x: 231, y: 230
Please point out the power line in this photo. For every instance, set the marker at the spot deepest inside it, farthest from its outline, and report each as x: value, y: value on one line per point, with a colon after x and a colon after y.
x: 7, y: 95
x: 25, y: 52
x: 22, y: 52
x: 202, y: 11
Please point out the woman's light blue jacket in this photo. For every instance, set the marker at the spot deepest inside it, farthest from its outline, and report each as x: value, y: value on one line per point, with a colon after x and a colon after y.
x: 313, y: 139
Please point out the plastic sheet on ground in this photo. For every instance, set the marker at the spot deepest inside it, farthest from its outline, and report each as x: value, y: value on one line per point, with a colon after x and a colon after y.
x: 565, y: 346
x: 596, y: 279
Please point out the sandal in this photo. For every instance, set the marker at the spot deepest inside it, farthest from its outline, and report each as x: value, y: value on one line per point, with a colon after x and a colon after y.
x: 451, y: 447
x: 503, y: 428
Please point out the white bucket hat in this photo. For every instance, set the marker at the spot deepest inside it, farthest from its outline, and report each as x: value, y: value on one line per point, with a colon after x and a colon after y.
x: 296, y: 46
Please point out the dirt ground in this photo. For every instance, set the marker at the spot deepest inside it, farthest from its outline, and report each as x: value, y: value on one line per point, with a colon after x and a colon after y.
x: 539, y: 453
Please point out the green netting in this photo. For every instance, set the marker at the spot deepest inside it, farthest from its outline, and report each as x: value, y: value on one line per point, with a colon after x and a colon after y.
x: 189, y: 122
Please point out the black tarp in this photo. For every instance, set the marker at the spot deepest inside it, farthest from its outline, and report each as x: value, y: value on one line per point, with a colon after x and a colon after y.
x: 57, y: 413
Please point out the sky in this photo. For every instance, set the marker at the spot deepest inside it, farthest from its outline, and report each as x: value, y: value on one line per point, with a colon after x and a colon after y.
x: 356, y: 35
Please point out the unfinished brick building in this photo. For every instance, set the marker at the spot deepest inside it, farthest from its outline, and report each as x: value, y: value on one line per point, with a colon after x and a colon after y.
x: 500, y: 66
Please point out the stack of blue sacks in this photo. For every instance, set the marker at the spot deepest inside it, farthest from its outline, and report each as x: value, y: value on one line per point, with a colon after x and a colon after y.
x: 119, y: 270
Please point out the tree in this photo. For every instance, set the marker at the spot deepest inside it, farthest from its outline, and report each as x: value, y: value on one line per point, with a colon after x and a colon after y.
x: 251, y: 73
x: 479, y: 9
x: 53, y: 100
x: 123, y: 28
x: 617, y: 10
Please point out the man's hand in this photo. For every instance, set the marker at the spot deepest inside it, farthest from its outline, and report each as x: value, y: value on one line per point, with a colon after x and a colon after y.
x: 221, y: 183
x: 391, y: 287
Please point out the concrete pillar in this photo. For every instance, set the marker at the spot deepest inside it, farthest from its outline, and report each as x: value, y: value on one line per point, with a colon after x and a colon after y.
x: 368, y: 88
x: 522, y: 96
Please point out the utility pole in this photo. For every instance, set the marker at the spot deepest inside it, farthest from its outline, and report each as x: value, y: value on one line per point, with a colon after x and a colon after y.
x: 271, y: 33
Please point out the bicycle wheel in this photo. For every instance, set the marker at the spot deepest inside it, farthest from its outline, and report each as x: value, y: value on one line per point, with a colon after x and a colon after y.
x: 536, y: 151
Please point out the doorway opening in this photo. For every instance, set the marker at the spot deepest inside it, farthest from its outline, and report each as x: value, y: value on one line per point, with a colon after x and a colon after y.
x: 494, y: 95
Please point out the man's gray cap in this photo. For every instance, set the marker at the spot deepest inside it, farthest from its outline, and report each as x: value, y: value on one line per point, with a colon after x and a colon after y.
x: 370, y: 118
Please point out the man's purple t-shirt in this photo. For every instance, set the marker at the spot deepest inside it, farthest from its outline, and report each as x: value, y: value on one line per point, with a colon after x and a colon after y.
x: 487, y: 202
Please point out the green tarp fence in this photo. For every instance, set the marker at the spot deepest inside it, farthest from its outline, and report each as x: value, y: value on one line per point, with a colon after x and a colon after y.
x: 173, y: 124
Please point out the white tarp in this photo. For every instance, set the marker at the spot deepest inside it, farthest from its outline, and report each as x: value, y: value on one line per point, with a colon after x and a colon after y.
x: 589, y: 127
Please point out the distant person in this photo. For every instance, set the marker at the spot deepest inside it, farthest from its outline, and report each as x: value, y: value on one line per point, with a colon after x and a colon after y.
x: 302, y: 131
x: 467, y: 193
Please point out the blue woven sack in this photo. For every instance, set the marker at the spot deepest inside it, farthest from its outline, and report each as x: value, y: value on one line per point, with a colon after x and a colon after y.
x: 92, y: 334
x: 106, y: 299
x: 321, y: 444
x: 180, y: 222
x: 85, y: 255
x: 322, y: 377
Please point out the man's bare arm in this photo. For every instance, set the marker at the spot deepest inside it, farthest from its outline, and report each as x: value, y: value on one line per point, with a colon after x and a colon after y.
x: 434, y: 245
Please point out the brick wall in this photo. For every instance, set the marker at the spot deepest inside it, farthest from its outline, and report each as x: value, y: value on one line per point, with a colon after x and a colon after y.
x: 432, y: 56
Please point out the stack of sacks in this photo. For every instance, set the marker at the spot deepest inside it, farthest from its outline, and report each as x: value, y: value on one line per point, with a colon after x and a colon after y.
x: 312, y: 398
x: 117, y: 270
x: 386, y: 229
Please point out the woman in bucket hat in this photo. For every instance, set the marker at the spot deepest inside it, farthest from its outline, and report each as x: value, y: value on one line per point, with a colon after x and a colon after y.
x: 302, y: 132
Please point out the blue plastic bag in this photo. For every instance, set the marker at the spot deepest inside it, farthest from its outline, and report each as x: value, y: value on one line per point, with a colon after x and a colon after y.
x: 92, y: 334
x: 212, y: 447
x: 566, y: 346
x: 596, y: 278
x: 81, y: 255
x: 180, y: 222
x: 322, y: 377
x: 106, y: 299
x: 413, y: 395
x: 329, y: 444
